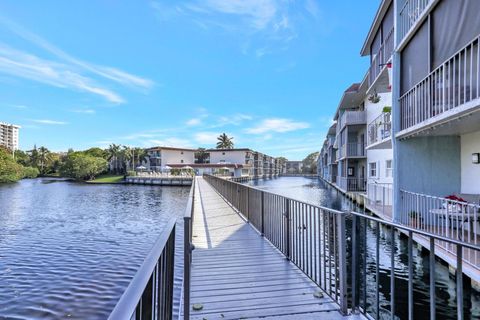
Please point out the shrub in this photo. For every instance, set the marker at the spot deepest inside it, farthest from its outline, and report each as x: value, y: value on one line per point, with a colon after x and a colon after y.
x: 30, y: 172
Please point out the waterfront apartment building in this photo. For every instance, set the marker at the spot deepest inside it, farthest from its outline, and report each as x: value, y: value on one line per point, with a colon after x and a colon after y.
x: 436, y: 108
x: 417, y: 144
x: 236, y: 162
x: 294, y: 167
x: 9, y: 136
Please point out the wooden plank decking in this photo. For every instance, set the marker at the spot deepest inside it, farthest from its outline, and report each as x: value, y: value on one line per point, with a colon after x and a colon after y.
x: 237, y: 274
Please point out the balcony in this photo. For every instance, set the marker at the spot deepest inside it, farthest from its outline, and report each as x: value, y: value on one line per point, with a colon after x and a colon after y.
x: 352, y: 118
x: 448, y: 92
x: 351, y: 184
x: 453, y: 219
x: 380, y: 59
x: 379, y: 199
x: 380, y: 131
x: 352, y: 150
x: 410, y: 14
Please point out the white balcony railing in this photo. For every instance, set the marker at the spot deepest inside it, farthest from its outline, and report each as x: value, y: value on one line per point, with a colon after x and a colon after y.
x: 351, y: 118
x: 351, y: 184
x: 353, y: 149
x: 381, y: 57
x: 452, y: 84
x: 380, y: 128
x: 380, y: 198
x: 449, y: 218
x: 411, y: 11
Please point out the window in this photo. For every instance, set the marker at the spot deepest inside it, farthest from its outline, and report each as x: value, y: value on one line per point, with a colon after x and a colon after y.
x: 181, y: 152
x: 181, y: 161
x: 388, y: 168
x: 223, y: 153
x: 372, y: 169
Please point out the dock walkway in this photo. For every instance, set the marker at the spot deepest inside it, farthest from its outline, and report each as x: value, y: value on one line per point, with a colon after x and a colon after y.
x: 237, y: 274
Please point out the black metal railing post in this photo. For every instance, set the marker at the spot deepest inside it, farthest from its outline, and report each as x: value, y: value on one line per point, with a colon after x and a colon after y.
x: 263, y: 213
x: 287, y: 229
x: 342, y: 263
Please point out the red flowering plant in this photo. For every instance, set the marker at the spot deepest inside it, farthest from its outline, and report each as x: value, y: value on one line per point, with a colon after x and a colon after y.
x: 451, y: 206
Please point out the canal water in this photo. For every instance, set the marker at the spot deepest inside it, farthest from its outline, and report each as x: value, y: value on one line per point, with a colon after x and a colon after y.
x: 69, y: 250
x: 318, y: 192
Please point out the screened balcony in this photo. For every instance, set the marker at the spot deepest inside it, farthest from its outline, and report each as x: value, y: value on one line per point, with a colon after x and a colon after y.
x: 380, y: 131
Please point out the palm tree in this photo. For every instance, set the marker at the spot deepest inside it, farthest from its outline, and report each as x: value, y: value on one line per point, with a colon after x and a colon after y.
x: 140, y: 154
x: 44, y: 157
x: 113, y: 153
x: 127, y: 156
x: 224, y: 141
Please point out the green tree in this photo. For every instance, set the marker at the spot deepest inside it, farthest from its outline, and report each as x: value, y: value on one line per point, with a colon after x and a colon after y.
x: 97, y: 152
x: 310, y: 163
x: 80, y: 166
x: 30, y: 172
x: 127, y: 157
x: 113, y: 155
x: 202, y: 156
x: 140, y: 154
x: 22, y: 157
x: 10, y: 170
x: 224, y: 141
x: 44, y: 160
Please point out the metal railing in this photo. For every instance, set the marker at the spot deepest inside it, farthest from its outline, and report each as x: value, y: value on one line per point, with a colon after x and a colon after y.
x: 188, y: 247
x: 352, y: 184
x: 150, y: 293
x: 380, y: 128
x: 331, y: 248
x: 451, y: 85
x: 351, y: 117
x: 448, y: 218
x: 410, y: 13
x: 381, y: 57
x: 379, y: 199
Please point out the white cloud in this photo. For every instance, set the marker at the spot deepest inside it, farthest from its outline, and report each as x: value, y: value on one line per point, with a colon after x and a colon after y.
x: 206, y: 137
x: 234, y: 119
x: 277, y: 125
x: 170, y: 142
x: 67, y: 72
x: 49, y: 122
x: 194, y: 122
x: 28, y: 66
x: 84, y: 111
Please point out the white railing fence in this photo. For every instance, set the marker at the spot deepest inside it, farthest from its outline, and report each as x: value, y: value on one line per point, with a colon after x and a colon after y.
x: 409, y: 14
x: 452, y: 84
x: 381, y: 57
x: 380, y: 128
x: 352, y: 184
x: 355, y: 149
x: 380, y: 198
x: 452, y: 219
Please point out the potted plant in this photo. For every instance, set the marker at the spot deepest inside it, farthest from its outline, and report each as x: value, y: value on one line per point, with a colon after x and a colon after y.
x: 374, y: 97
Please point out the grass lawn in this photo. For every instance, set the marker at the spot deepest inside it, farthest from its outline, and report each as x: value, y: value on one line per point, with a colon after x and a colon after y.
x: 107, y: 178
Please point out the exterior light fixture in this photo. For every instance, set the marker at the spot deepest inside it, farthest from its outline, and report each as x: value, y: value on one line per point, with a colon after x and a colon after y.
x: 476, y: 158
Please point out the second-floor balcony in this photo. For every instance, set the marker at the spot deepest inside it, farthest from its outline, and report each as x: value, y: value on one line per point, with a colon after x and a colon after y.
x: 352, y: 150
x: 448, y: 92
x: 351, y: 118
x: 380, y: 131
x: 410, y: 14
x: 381, y: 58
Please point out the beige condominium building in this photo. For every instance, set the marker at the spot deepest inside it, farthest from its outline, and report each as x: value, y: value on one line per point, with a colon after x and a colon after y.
x: 9, y: 135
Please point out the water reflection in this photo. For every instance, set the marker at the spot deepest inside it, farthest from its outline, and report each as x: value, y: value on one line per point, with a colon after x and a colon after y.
x: 320, y: 193
x: 69, y: 250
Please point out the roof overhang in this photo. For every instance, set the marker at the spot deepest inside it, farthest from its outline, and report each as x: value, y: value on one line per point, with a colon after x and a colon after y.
x: 377, y: 21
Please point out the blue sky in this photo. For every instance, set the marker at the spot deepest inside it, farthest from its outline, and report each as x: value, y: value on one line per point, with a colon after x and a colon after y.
x: 270, y: 73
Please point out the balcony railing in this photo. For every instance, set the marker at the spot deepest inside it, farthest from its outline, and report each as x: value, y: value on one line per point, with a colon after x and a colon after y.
x: 451, y: 219
x: 409, y: 14
x: 381, y: 57
x: 380, y: 128
x: 351, y: 118
x: 451, y: 85
x: 380, y: 199
x: 352, y: 149
x: 351, y: 184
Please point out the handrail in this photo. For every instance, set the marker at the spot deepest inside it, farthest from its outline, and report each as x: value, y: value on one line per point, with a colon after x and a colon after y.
x: 315, y: 239
x: 188, y: 247
x: 145, y: 292
x: 452, y: 84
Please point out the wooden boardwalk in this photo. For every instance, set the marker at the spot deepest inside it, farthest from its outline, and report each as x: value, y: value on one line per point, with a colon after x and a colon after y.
x: 237, y: 274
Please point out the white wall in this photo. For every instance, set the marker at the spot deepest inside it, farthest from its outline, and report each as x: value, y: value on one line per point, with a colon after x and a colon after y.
x: 176, y: 157
x: 470, y: 143
x: 229, y: 157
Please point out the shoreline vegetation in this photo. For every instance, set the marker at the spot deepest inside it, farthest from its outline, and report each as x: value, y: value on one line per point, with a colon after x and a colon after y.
x: 107, y: 179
